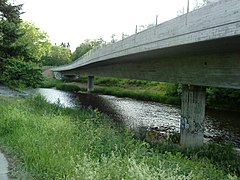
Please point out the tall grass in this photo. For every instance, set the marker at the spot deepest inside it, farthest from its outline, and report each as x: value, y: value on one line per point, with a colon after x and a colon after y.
x: 146, y: 95
x: 49, y: 83
x: 61, y: 143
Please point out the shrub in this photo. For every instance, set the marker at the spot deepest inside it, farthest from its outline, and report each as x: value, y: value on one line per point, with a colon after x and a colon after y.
x: 68, y: 87
x: 21, y: 74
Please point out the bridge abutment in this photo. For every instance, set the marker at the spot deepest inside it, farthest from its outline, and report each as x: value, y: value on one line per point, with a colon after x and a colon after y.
x: 192, y: 115
x: 90, y: 85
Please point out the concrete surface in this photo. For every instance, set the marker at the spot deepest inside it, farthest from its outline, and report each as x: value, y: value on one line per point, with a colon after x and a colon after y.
x: 3, y: 167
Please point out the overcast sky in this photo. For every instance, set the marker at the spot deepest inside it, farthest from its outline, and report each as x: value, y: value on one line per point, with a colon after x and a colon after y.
x: 75, y: 20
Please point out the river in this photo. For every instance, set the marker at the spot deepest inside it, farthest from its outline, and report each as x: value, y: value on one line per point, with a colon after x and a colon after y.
x: 220, y: 126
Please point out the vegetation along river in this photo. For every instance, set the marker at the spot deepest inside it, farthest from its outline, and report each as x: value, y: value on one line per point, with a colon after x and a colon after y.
x: 220, y: 126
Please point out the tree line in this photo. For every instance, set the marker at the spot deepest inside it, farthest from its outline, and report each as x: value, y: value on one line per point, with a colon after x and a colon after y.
x: 24, y: 49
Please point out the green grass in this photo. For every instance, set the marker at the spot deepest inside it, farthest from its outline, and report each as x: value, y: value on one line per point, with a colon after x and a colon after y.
x: 49, y: 83
x: 149, y: 91
x: 61, y: 143
x: 69, y: 87
x: 139, y: 89
x: 146, y: 95
x: 61, y: 85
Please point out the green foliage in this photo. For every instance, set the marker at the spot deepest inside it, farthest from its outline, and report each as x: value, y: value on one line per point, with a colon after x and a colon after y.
x: 139, y: 89
x: 50, y: 83
x: 58, y: 55
x: 9, y: 29
x: 21, y: 47
x: 86, y: 46
x: 20, y: 74
x: 223, y: 98
x: 222, y: 156
x: 60, y: 85
x: 68, y: 87
x: 9, y: 12
x: 36, y: 42
x: 145, y: 95
x: 82, y: 144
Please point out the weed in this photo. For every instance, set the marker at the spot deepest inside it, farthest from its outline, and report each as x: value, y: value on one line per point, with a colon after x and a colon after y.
x: 61, y: 143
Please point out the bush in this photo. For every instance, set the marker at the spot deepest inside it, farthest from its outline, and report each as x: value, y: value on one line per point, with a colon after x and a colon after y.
x: 68, y: 87
x: 21, y: 74
x: 223, y: 98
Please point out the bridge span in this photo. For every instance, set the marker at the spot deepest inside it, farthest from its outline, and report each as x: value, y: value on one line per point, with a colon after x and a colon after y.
x: 197, y: 49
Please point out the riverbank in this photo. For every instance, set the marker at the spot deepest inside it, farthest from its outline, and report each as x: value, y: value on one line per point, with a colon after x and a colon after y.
x: 140, y: 90
x: 82, y: 143
x: 168, y: 93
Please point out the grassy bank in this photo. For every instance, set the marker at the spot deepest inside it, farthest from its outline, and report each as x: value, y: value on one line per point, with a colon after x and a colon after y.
x: 217, y: 98
x: 145, y: 95
x: 141, y: 90
x: 51, y: 142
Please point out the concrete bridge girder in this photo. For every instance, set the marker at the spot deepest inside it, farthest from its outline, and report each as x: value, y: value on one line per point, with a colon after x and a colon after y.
x: 209, y: 70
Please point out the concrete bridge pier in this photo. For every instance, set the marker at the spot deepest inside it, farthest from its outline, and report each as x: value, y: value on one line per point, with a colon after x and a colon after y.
x: 90, y: 85
x: 192, y: 115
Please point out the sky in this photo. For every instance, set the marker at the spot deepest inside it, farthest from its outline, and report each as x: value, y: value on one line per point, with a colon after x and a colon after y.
x: 74, y: 21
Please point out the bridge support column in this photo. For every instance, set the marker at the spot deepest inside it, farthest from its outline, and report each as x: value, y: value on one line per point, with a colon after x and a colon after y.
x: 192, y: 115
x: 90, y: 86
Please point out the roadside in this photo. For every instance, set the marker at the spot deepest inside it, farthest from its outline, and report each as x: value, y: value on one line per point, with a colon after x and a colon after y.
x: 3, y: 167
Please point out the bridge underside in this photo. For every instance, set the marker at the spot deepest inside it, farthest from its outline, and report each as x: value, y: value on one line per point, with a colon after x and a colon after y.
x: 218, y: 66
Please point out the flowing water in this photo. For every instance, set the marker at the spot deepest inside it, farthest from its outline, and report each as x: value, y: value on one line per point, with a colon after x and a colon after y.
x: 220, y: 126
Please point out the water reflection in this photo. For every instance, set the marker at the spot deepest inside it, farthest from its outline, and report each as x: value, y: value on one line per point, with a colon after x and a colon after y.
x: 58, y: 97
x: 224, y: 125
x: 219, y: 125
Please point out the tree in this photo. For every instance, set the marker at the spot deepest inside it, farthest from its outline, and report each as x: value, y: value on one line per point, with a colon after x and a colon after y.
x: 58, y: 55
x: 21, y: 48
x: 9, y: 29
x: 35, y: 41
x: 86, y: 46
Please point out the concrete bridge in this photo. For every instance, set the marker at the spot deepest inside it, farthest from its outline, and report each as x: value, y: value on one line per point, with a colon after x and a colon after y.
x: 197, y: 49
